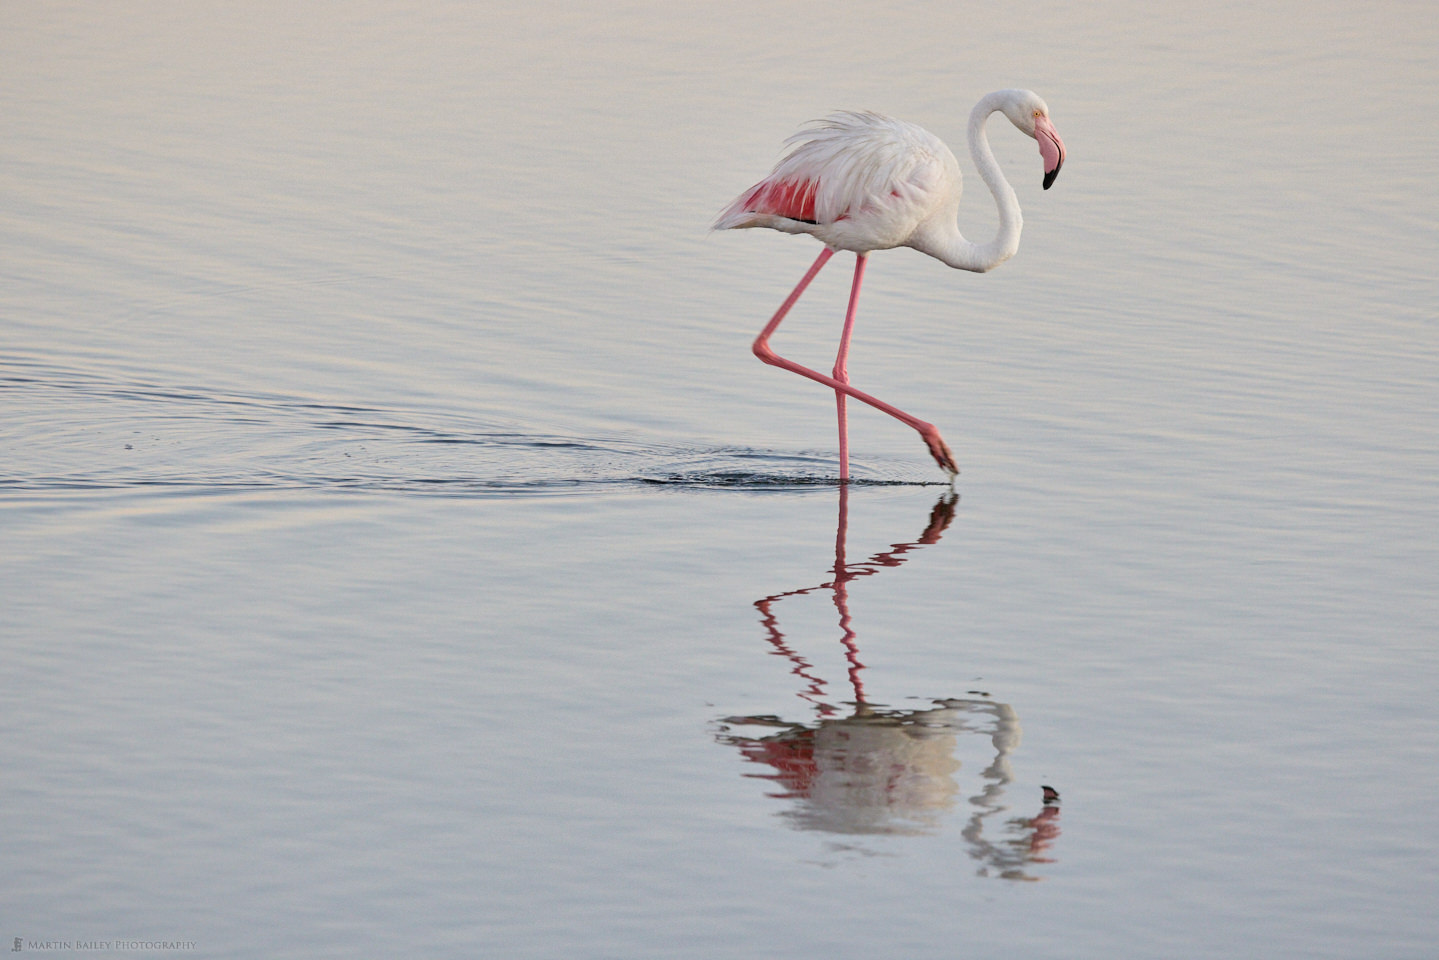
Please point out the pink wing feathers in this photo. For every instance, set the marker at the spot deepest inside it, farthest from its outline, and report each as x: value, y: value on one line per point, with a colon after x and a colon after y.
x: 791, y: 199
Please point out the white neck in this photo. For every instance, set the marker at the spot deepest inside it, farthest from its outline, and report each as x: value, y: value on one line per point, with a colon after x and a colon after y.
x: 944, y: 241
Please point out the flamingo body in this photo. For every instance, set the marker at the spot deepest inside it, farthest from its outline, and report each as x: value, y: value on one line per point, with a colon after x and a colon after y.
x: 860, y: 181
x: 857, y: 181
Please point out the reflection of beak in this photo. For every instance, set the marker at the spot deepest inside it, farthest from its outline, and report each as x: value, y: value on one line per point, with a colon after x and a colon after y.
x: 1051, y: 148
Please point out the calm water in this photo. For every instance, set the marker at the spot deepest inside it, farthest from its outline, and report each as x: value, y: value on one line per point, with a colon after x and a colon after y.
x: 404, y: 554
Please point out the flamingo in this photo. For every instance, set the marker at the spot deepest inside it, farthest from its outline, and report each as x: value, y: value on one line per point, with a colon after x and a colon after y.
x: 860, y: 181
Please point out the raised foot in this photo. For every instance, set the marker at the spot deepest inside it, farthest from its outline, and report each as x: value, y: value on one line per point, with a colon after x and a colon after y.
x: 940, y: 451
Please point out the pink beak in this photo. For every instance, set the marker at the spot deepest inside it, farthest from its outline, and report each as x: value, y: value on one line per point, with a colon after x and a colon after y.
x: 1051, y: 148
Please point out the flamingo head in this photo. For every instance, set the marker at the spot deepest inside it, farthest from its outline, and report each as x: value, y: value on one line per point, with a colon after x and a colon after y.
x: 1030, y: 114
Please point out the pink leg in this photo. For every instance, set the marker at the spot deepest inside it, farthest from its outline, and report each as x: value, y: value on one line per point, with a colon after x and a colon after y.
x: 841, y: 364
x: 937, y: 447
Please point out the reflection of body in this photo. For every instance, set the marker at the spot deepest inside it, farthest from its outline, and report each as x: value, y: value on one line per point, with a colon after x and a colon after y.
x: 878, y: 771
x: 882, y: 770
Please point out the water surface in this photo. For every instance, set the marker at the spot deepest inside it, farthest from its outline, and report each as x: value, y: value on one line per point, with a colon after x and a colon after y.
x: 404, y: 553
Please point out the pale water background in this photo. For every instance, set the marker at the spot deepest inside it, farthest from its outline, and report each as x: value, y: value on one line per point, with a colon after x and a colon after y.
x: 387, y: 488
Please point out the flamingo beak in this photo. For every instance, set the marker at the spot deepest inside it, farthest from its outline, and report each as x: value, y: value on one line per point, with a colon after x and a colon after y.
x: 1051, y: 148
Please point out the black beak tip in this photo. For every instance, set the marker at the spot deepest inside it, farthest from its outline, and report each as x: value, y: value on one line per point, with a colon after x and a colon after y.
x: 1049, y: 177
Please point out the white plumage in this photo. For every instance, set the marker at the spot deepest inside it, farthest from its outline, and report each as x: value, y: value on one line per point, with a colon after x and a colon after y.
x: 873, y: 180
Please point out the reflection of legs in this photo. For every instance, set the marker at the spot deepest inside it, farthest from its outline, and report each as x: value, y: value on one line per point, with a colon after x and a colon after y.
x: 840, y: 586
x: 937, y: 447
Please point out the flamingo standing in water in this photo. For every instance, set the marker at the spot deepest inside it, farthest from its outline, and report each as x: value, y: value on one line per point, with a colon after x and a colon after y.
x: 860, y: 181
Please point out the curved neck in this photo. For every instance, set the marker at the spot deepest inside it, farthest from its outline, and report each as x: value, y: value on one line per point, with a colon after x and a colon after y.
x: 949, y: 245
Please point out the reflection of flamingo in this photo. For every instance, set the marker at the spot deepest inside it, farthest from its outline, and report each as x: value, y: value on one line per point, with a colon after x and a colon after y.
x: 880, y: 770
x: 862, y: 182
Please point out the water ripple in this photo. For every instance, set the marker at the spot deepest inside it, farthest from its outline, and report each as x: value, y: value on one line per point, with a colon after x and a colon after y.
x: 81, y: 431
